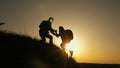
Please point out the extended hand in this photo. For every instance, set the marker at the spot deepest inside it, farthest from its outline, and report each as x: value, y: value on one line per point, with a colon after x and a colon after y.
x: 57, y: 35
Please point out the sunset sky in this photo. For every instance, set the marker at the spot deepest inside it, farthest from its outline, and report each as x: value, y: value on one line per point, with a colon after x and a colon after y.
x: 95, y: 24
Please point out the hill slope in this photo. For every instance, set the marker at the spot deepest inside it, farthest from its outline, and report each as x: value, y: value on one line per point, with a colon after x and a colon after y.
x: 18, y: 51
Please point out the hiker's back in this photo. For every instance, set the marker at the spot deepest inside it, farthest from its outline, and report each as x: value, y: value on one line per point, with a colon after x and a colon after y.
x: 44, y: 26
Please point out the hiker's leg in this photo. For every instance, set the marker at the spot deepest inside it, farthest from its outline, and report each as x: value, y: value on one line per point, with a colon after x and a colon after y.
x: 43, y: 38
x: 50, y: 37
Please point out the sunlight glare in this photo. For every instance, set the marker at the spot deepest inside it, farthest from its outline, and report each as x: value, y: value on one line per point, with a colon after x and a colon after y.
x: 74, y: 46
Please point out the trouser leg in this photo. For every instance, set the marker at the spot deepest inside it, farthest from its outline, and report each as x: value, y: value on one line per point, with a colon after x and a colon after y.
x: 43, y: 38
x: 50, y: 37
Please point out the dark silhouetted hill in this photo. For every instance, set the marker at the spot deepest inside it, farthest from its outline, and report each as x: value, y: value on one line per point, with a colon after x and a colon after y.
x: 18, y: 51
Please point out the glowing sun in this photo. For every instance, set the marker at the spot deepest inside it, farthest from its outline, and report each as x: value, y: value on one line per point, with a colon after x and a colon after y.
x: 74, y: 46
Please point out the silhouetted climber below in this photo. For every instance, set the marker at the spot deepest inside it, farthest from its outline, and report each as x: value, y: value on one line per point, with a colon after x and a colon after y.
x: 66, y: 36
x: 45, y: 27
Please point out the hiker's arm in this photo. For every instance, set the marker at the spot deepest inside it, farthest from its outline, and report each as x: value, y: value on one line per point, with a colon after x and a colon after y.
x: 54, y: 32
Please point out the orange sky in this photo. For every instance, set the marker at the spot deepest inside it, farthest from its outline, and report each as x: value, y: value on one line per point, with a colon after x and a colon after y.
x: 95, y: 23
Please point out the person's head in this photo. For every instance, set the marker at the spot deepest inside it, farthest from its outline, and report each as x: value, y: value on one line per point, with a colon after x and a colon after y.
x: 51, y: 19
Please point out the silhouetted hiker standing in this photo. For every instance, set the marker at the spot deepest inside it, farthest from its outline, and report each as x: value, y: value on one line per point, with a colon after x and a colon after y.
x: 45, y: 27
x: 66, y: 36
